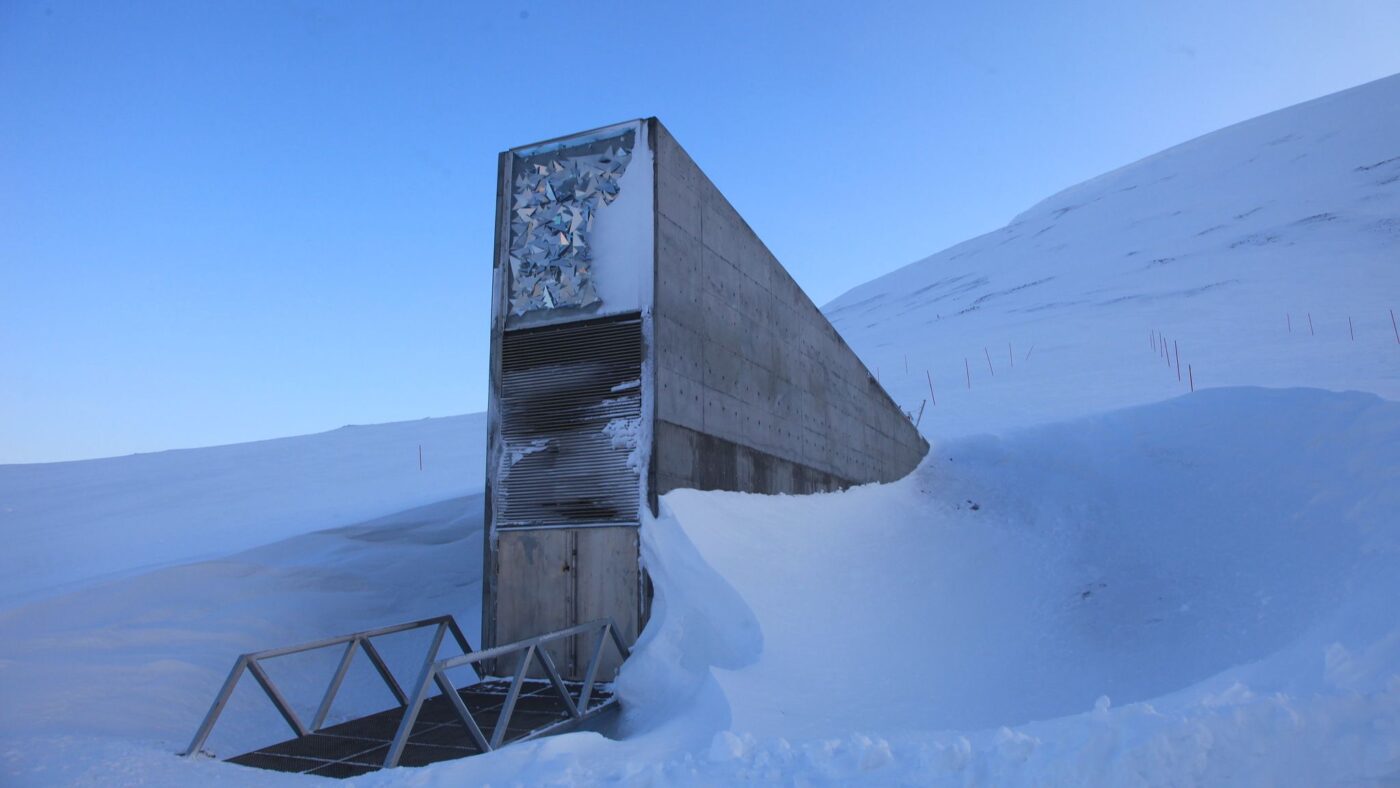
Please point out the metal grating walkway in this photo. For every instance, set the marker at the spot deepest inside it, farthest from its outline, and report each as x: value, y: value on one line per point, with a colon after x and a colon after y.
x: 426, y: 728
x: 360, y: 746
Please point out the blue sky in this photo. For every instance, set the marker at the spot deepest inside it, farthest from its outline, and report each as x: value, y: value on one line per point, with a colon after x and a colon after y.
x: 223, y: 222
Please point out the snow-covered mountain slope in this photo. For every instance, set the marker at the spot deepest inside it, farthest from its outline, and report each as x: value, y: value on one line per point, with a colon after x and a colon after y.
x: 1216, y: 243
x: 1122, y: 599
x: 121, y: 669
x: 67, y: 523
x: 1191, y: 591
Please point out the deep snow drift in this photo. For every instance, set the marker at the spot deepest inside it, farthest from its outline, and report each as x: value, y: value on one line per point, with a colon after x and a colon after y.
x: 68, y: 523
x: 1198, y: 588
x: 1121, y: 597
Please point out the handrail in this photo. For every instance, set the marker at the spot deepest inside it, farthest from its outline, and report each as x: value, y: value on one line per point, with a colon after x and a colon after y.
x: 252, y: 663
x: 434, y: 673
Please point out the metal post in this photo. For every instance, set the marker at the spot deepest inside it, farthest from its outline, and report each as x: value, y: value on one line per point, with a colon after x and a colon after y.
x: 334, y: 686
x: 275, y: 695
x: 463, y: 712
x: 498, y: 735
x: 220, y: 700
x: 383, y: 669
x: 592, y: 671
x: 462, y: 643
x: 410, y: 714
x: 550, y: 670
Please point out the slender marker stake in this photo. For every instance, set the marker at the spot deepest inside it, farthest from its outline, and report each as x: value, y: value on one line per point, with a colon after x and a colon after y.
x: 1192, y: 377
x: 1310, y: 328
x: 1290, y: 322
x: 1028, y: 353
x: 1392, y: 326
x: 968, y: 370
x: 1351, y: 328
x: 1009, y: 354
x: 906, y: 363
x: 989, y: 361
x: 420, y: 456
x: 1177, y: 348
x: 931, y: 397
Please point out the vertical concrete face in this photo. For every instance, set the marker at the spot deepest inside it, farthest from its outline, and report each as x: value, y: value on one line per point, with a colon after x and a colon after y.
x: 755, y: 390
x: 730, y: 377
x: 570, y: 408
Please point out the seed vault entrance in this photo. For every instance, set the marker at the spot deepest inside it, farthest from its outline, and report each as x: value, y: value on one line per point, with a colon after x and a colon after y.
x: 567, y: 491
x: 644, y: 339
x: 569, y: 434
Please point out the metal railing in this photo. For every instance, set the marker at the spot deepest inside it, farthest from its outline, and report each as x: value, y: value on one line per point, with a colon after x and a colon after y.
x: 433, y: 673
x: 436, y: 674
x: 252, y: 663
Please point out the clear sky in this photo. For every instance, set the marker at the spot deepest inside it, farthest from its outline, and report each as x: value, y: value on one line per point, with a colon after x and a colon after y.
x: 230, y: 221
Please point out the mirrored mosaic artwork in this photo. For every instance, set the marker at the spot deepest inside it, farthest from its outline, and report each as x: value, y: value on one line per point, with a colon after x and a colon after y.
x: 554, y: 202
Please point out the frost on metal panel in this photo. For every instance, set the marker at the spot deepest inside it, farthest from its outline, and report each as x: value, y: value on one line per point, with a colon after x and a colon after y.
x: 624, y: 435
x: 570, y: 425
x: 555, y: 198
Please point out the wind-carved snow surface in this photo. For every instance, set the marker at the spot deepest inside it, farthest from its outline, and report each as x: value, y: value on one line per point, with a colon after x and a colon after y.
x: 1217, y: 243
x: 67, y: 524
x: 1196, y: 589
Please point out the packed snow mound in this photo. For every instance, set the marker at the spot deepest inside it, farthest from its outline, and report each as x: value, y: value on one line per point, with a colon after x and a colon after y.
x: 1134, y: 554
x: 112, y: 679
x: 1199, y: 590
x: 67, y: 523
x: 1267, y: 253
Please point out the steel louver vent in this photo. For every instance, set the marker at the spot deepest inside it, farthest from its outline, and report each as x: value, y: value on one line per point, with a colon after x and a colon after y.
x: 570, y: 409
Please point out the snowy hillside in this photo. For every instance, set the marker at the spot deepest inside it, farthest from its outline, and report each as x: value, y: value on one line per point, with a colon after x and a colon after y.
x: 69, y: 523
x: 1121, y: 599
x: 1096, y: 577
x: 1217, y: 244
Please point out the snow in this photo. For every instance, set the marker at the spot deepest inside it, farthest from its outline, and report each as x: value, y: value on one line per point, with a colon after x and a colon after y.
x: 626, y: 434
x: 1096, y: 576
x: 69, y: 523
x: 622, y: 236
x: 1214, y: 243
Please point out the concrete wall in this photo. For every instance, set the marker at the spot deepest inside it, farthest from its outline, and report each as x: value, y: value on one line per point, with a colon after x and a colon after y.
x: 754, y: 388
x: 750, y: 388
x: 537, y: 580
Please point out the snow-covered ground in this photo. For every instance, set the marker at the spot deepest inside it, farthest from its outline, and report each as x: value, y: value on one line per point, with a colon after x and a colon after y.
x: 1217, y: 244
x: 1096, y: 577
x: 67, y: 524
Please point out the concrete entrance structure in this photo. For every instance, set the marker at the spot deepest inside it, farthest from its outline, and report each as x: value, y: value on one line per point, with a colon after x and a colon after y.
x: 643, y: 339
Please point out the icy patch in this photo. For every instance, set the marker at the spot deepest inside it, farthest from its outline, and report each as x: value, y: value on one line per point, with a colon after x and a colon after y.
x: 518, y: 452
x: 624, y: 434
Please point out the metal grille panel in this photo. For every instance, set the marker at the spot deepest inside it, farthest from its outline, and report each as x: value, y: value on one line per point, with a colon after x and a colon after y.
x: 570, y: 408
